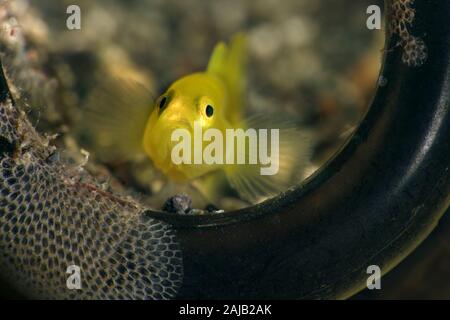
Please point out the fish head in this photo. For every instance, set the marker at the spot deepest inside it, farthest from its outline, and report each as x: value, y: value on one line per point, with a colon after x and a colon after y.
x: 197, y: 100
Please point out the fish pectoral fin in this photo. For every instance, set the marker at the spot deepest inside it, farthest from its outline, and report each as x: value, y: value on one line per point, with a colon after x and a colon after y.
x: 113, y: 120
x: 256, y: 182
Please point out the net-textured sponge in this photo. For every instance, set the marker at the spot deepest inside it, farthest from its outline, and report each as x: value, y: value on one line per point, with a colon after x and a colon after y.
x: 51, y: 219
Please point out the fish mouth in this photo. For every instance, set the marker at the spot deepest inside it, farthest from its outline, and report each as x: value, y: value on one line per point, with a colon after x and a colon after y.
x: 173, y: 121
x: 162, y: 140
x: 183, y: 124
x: 167, y: 130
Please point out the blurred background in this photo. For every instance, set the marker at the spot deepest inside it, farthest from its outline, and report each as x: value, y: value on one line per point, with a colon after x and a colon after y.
x: 314, y: 61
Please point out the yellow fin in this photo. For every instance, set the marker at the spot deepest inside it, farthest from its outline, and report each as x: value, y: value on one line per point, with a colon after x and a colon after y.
x: 113, y: 120
x: 218, y: 58
x: 230, y: 64
x: 294, y: 156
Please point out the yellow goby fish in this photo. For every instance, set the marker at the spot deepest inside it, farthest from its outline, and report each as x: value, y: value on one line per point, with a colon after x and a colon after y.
x: 213, y: 99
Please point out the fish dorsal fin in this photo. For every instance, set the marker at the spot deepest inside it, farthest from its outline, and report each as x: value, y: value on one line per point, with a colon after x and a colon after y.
x: 218, y: 59
x: 230, y: 64
x: 294, y: 156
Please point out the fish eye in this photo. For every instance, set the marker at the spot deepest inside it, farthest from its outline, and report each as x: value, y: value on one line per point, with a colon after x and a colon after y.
x: 209, y: 111
x: 162, y: 102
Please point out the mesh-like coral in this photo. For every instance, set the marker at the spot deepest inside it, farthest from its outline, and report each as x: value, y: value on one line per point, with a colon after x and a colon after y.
x: 402, y: 17
x: 50, y: 219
